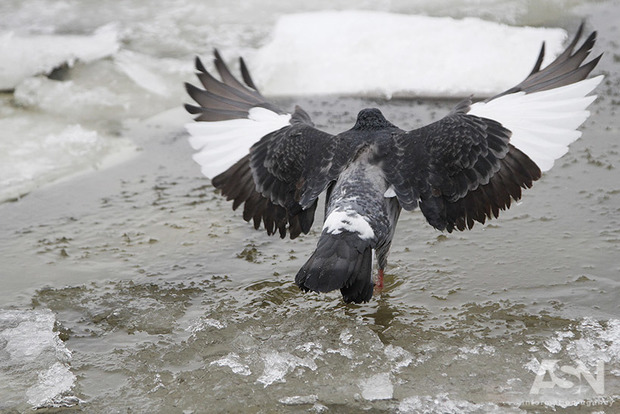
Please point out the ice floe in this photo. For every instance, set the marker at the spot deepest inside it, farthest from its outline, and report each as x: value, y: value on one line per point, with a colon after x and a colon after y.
x: 374, y: 53
x: 377, y: 387
x: 26, y: 56
x: 35, y: 154
x: 34, y: 360
x: 278, y: 364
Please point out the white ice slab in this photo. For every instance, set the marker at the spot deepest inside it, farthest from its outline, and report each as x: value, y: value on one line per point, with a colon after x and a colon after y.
x: 385, y: 54
x: 36, y: 153
x: 26, y: 56
x: 34, y: 360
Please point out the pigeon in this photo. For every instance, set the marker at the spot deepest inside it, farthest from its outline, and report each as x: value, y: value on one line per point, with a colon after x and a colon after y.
x: 464, y: 168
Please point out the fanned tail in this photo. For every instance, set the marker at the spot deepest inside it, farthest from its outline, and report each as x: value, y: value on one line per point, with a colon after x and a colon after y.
x: 341, y: 261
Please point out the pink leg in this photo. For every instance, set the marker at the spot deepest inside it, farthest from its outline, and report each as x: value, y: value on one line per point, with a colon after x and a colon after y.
x: 379, y: 281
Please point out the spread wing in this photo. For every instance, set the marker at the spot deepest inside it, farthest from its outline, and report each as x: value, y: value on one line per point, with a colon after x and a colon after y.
x: 275, y: 164
x: 469, y: 165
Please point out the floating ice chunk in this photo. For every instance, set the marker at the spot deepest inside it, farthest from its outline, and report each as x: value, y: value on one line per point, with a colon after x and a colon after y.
x: 51, y: 386
x: 376, y: 53
x: 68, y: 96
x: 480, y: 349
x: 26, y: 56
x: 35, y: 153
x: 377, y: 387
x: 233, y: 361
x: 136, y: 67
x: 554, y: 345
x: 399, y: 357
x: 442, y: 404
x: 299, y: 400
x: 346, y: 337
x: 319, y: 408
x: 345, y: 351
x: 597, y: 342
x: 533, y: 365
x: 202, y: 324
x: 29, y: 335
x: 32, y: 353
x: 278, y: 364
x: 313, y: 349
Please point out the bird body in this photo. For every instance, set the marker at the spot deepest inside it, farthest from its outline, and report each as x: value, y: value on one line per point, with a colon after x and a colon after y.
x: 358, y: 219
x: 463, y: 168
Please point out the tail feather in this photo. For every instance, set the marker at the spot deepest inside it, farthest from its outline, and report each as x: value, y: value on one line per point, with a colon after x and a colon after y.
x: 341, y: 261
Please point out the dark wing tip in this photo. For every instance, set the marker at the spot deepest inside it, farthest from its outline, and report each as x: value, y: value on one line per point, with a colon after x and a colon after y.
x: 192, y: 109
x: 245, y: 74
x: 539, y: 61
x: 216, y: 54
x: 566, y: 68
x: 189, y: 88
x: 199, y: 66
x: 462, y: 107
x: 226, y: 98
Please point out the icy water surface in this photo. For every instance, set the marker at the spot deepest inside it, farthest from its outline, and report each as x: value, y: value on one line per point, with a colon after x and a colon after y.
x: 136, y: 289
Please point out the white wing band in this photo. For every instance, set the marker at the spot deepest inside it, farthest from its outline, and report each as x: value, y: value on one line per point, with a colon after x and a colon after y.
x: 544, y: 123
x: 220, y: 144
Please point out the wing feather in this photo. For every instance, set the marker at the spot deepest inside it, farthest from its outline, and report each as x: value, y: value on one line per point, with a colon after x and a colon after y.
x: 471, y: 164
x: 256, y: 154
x: 544, y: 111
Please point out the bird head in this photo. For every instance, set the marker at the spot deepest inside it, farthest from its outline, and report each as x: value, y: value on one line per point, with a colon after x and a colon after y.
x: 371, y: 118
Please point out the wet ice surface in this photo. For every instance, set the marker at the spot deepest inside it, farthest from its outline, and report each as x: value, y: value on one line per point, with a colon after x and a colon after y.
x: 137, y: 287
x: 386, y: 62
x: 92, y: 72
x: 34, y: 361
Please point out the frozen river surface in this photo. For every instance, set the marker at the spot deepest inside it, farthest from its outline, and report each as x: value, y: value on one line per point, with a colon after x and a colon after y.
x: 128, y: 285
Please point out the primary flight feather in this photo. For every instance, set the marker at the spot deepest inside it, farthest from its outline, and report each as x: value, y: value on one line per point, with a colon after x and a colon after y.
x: 463, y: 168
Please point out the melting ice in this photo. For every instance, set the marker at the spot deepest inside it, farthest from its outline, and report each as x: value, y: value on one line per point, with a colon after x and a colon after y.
x: 385, y: 54
x: 34, y: 362
x: 72, y: 121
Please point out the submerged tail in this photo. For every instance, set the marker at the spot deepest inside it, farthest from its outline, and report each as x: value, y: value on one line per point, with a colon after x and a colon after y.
x: 341, y: 261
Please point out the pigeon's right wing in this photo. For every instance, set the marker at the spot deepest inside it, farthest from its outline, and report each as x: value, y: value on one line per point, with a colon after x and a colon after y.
x: 469, y: 165
x: 275, y: 164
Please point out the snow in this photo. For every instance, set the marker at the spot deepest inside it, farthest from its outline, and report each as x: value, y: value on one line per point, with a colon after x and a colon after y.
x: 377, y: 53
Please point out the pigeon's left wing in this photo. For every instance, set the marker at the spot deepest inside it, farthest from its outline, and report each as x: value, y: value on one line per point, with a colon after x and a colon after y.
x: 469, y: 165
x: 274, y: 163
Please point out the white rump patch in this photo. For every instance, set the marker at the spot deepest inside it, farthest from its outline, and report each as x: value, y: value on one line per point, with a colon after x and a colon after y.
x: 222, y: 143
x: 543, y: 124
x: 348, y: 220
